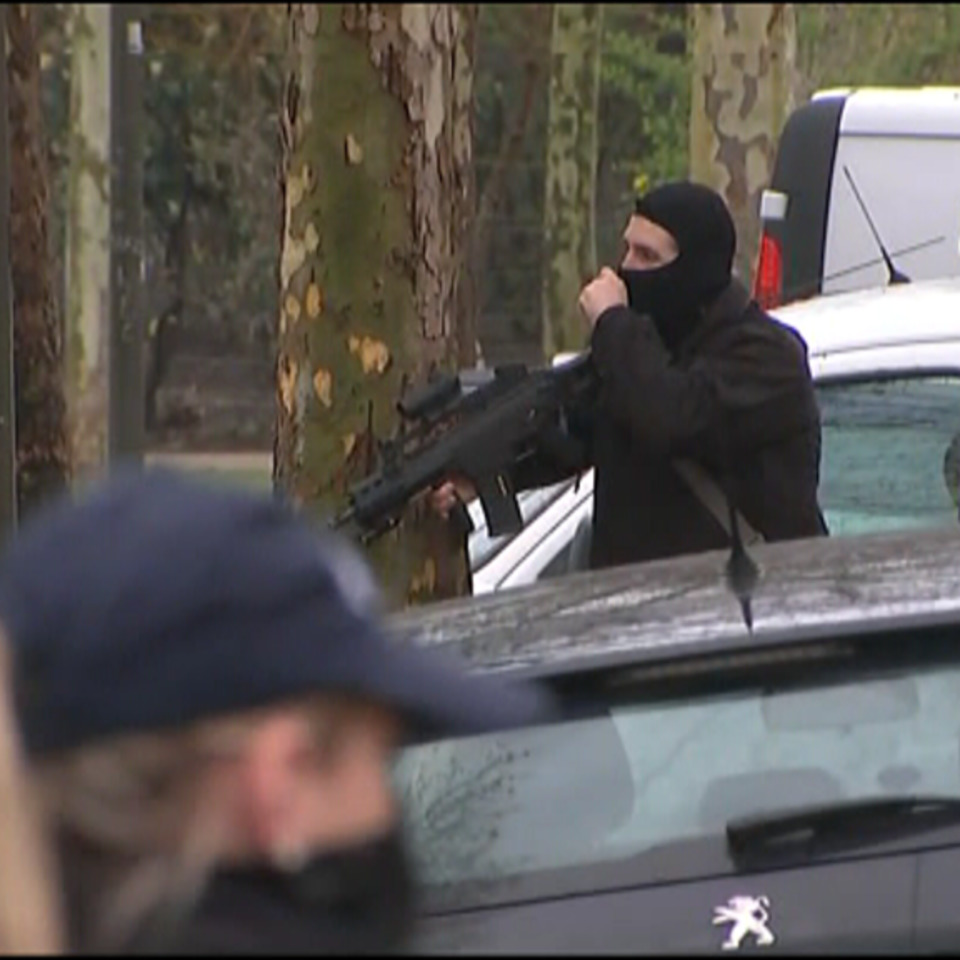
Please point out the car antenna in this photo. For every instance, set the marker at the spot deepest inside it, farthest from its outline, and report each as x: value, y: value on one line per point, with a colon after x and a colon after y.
x: 742, y: 571
x: 895, y: 276
x: 846, y: 271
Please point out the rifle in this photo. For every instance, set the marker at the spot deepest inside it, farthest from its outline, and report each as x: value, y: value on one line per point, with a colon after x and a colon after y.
x: 479, y: 434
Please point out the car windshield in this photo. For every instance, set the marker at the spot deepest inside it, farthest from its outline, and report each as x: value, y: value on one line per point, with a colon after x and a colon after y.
x: 593, y: 791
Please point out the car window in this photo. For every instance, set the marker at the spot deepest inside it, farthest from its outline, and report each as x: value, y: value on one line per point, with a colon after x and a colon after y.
x: 884, y: 447
x: 600, y: 789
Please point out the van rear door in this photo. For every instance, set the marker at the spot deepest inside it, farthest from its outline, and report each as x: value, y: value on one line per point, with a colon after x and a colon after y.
x: 795, y: 230
x: 902, y: 149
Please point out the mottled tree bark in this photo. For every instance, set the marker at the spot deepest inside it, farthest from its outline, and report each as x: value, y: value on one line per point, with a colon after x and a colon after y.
x: 88, y: 236
x: 43, y: 450
x: 376, y: 193
x: 744, y: 58
x: 571, y: 171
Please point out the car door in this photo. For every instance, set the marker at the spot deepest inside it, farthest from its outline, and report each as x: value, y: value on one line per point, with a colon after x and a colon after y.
x: 543, y: 548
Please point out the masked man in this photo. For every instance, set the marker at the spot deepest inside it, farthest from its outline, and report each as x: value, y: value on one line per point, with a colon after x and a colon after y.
x: 691, y: 371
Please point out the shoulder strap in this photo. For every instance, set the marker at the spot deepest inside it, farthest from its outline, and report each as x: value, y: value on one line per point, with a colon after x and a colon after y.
x: 710, y: 495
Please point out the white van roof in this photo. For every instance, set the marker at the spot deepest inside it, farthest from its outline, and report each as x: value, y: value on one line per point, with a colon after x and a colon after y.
x: 898, y: 111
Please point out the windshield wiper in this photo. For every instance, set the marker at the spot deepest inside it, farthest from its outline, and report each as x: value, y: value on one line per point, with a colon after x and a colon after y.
x: 838, y: 826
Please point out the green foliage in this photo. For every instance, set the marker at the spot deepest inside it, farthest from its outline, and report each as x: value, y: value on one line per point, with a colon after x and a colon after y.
x: 645, y: 103
x: 512, y: 61
x: 211, y: 143
x: 649, y: 90
x: 875, y: 44
x: 211, y: 90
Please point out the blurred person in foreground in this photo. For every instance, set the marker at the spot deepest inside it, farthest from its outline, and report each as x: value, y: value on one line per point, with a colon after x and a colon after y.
x: 211, y: 710
x: 30, y: 921
x: 690, y: 369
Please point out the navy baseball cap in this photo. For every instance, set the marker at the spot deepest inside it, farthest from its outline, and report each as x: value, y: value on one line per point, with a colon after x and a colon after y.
x: 155, y: 601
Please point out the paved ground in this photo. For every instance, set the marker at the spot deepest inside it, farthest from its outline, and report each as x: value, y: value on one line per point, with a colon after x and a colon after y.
x: 248, y: 468
x: 253, y: 460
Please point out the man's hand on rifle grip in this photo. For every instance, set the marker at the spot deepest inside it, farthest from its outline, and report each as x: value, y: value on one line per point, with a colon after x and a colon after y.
x: 445, y: 497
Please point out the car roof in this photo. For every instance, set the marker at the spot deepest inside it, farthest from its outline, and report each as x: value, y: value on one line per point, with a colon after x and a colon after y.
x: 927, y: 311
x: 662, y: 610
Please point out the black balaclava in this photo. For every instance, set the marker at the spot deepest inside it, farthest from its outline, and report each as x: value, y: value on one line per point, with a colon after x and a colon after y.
x: 674, y: 295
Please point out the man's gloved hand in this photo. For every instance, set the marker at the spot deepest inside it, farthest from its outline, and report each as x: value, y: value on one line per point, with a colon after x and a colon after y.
x: 604, y: 291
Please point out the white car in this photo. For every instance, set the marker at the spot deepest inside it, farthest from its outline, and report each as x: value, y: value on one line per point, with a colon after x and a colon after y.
x: 887, y: 367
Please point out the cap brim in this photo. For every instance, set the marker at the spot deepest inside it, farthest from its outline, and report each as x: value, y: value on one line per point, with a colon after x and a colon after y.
x: 444, y: 697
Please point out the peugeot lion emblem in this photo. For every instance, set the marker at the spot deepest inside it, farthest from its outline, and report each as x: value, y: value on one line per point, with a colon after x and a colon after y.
x: 747, y: 916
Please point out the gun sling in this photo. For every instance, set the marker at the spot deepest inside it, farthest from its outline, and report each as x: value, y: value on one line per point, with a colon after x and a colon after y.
x: 709, y: 494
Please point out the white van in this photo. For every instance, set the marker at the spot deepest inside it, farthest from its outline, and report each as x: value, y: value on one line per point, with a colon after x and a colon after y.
x: 849, y: 157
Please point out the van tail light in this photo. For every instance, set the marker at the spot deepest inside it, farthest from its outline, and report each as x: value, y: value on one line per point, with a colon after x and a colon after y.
x: 768, y: 278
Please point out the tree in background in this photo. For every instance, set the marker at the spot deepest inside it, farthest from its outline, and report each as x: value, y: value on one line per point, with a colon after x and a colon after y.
x: 212, y: 91
x: 569, y: 211
x: 43, y: 448
x: 644, y: 111
x: 88, y: 235
x: 889, y: 44
x: 643, y: 123
x: 510, y: 102
x: 377, y: 148
x: 743, y: 74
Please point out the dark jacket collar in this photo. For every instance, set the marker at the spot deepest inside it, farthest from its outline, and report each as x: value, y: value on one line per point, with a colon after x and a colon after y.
x: 727, y: 307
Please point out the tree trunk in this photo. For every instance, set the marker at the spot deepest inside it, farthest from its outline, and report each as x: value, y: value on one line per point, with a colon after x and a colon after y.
x: 571, y: 171
x: 465, y: 196
x: 43, y: 450
x: 376, y: 187
x: 88, y: 235
x: 744, y: 57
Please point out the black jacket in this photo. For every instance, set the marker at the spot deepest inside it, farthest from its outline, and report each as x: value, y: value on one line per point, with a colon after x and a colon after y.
x: 738, y: 398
